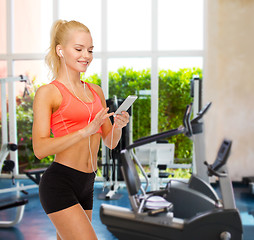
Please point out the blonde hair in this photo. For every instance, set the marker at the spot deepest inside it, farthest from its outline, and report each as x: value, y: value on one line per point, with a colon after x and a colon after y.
x: 59, y: 35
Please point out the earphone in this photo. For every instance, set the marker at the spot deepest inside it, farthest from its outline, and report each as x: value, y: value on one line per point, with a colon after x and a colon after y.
x: 90, y: 112
x: 61, y: 53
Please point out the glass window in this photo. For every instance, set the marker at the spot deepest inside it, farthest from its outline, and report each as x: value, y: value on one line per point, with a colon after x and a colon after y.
x: 176, y: 63
x: 2, y: 27
x: 86, y: 11
x: 3, y: 74
x: 35, y: 70
x: 94, y: 68
x: 180, y: 25
x: 174, y: 95
x: 129, y: 25
x: 135, y: 63
x: 93, y: 73
x: 3, y: 69
x: 32, y: 25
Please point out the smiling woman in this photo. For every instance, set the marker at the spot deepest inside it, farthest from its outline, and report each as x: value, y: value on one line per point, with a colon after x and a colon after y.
x: 76, y: 114
x: 62, y: 46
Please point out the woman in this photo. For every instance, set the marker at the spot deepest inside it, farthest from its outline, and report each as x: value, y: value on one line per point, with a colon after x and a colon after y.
x: 77, y: 115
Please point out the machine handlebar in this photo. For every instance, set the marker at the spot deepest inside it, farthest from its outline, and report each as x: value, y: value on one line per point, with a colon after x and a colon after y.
x: 187, y: 128
x: 12, y: 146
x: 221, y: 159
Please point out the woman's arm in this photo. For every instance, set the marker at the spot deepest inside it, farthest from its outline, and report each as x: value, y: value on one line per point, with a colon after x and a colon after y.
x: 43, y: 144
x: 120, y: 121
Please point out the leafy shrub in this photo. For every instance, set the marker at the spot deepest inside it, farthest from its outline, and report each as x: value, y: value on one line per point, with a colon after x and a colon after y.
x: 174, y: 95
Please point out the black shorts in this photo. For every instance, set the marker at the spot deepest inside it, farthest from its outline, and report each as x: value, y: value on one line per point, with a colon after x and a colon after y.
x: 62, y: 187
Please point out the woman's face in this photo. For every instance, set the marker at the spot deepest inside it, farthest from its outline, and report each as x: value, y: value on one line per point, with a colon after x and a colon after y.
x: 78, y: 51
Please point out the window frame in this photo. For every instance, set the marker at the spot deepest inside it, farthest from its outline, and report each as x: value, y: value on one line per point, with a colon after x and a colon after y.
x: 104, y: 55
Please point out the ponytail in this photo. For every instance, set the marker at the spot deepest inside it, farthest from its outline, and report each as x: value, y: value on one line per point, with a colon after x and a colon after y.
x: 58, y: 35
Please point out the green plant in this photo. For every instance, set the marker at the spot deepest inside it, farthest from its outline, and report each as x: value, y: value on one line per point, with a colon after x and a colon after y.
x: 179, y: 173
x: 174, y: 95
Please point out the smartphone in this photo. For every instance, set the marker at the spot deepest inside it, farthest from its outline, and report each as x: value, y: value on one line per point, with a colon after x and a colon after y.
x: 126, y: 104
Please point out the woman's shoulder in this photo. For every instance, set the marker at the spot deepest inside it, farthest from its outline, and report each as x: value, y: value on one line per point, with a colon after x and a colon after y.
x: 47, y: 91
x: 95, y: 86
x: 99, y: 92
x: 97, y: 89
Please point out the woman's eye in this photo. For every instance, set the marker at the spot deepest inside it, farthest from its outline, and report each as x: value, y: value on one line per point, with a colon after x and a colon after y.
x: 78, y: 49
x: 91, y: 51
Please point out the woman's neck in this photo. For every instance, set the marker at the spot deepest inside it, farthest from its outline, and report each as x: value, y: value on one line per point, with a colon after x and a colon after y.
x: 70, y: 77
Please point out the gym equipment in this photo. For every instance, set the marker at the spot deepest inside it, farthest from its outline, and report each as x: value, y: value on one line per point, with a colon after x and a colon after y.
x: 12, y: 114
x: 158, y: 156
x: 198, y: 167
x: 8, y: 165
x: 8, y: 147
x: 20, y: 205
x: 10, y: 134
x: 35, y: 174
x: 190, y: 128
x: 250, y: 182
x: 197, y: 213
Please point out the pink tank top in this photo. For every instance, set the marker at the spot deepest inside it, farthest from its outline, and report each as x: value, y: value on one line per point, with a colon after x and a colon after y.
x: 73, y: 114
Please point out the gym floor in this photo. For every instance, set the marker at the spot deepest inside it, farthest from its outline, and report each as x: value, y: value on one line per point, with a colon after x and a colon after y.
x: 35, y: 224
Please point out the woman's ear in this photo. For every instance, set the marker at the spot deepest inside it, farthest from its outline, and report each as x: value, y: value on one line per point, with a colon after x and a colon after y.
x: 59, y: 51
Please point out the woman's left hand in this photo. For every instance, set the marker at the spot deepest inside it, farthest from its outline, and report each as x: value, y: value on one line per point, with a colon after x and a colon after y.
x: 121, y: 120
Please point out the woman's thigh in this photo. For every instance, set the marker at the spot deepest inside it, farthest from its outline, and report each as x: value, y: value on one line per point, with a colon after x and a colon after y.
x: 89, y: 214
x: 73, y: 223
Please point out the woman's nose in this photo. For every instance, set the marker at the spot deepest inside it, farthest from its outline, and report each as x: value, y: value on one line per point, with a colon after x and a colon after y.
x: 85, y: 54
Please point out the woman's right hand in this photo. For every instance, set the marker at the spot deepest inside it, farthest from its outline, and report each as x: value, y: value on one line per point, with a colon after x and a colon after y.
x: 99, y: 119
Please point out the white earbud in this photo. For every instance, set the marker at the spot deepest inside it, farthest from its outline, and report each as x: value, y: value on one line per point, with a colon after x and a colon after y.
x: 61, y: 53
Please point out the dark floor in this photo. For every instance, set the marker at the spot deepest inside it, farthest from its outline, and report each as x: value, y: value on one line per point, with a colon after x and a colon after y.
x: 35, y: 224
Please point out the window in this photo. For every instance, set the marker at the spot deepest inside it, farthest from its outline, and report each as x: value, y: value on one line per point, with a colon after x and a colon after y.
x: 34, y: 69
x: 129, y: 25
x: 175, y: 63
x: 3, y: 69
x: 136, y: 34
x: 31, y: 26
x: 2, y: 27
x: 87, y: 12
x: 180, y: 25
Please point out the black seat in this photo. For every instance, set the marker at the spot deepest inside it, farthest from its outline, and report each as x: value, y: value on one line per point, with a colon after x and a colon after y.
x: 141, y: 201
x: 37, y: 174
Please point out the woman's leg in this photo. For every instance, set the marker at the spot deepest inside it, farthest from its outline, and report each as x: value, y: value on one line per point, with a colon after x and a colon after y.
x: 89, y: 214
x: 73, y: 223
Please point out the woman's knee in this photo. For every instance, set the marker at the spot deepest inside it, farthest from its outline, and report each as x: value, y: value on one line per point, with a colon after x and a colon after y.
x: 73, y: 223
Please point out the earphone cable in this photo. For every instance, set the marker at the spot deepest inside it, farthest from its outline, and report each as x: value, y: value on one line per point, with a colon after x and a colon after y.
x: 90, y: 112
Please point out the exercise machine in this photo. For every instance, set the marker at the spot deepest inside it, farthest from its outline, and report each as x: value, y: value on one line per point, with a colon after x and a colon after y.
x: 158, y: 156
x: 9, y: 147
x: 190, y: 128
x: 9, y: 129
x: 148, y: 154
x: 8, y: 166
x: 182, y: 210
x: 250, y: 182
x: 198, y: 168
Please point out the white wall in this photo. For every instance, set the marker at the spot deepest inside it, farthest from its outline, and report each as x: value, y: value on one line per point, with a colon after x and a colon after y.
x: 229, y: 82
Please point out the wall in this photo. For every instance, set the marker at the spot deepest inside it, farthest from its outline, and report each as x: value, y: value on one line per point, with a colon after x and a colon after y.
x: 229, y: 82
